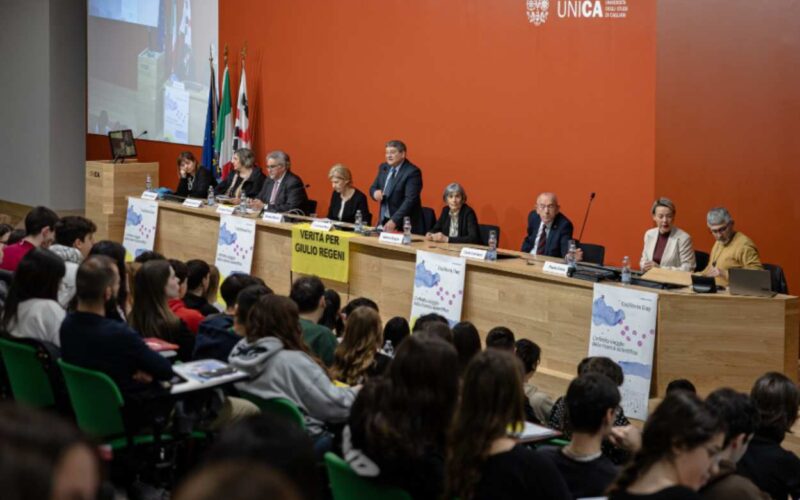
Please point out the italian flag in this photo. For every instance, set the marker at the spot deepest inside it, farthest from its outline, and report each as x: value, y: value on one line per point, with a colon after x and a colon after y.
x: 224, y: 136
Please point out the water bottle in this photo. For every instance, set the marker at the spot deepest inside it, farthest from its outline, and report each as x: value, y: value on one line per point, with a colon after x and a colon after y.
x: 148, y: 183
x: 491, y: 254
x: 570, y: 257
x: 211, y: 200
x: 406, y: 230
x: 359, y: 223
x: 243, y: 204
x: 388, y: 349
x: 626, y: 271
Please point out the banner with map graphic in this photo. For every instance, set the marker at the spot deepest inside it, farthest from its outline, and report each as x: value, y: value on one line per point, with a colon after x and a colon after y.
x: 140, y: 227
x: 624, y: 329
x: 438, y: 286
x: 235, y: 245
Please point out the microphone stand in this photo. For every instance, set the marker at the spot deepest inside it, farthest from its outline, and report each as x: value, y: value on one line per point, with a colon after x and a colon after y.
x: 586, y: 216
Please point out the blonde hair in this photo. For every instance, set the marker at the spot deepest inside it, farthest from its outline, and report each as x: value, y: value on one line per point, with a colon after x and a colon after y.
x: 362, y: 338
x: 341, y: 172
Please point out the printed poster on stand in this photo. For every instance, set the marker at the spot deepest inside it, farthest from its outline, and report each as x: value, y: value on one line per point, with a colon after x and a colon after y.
x: 438, y: 286
x: 235, y: 245
x: 140, y: 227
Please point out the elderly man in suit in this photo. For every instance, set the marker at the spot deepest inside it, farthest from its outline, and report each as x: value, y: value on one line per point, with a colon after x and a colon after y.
x: 283, y: 191
x: 549, y: 231
x: 397, y: 188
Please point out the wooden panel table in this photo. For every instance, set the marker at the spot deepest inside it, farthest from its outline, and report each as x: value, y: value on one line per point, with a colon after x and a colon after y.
x: 713, y: 340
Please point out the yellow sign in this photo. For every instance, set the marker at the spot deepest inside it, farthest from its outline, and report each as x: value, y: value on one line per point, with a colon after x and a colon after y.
x: 323, y: 253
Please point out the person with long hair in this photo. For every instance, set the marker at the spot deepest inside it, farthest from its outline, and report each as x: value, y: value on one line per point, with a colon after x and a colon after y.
x: 397, y: 429
x: 280, y: 365
x: 155, y: 285
x: 32, y: 309
x: 357, y: 359
x: 681, y: 445
x: 118, y: 307
x: 467, y: 342
x: 483, y: 461
x: 331, y: 315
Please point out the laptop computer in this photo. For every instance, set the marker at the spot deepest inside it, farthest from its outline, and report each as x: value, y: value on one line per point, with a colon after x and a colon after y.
x: 750, y: 282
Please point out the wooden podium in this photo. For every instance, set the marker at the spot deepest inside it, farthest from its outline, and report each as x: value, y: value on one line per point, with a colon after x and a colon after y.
x: 107, y: 189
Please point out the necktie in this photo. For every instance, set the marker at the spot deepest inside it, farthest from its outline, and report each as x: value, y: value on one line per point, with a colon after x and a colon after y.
x: 540, y: 246
x: 273, y: 197
x: 386, y: 186
x: 389, y: 180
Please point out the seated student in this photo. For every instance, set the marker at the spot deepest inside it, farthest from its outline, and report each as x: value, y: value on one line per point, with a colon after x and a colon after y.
x: 32, y: 309
x: 147, y: 256
x: 607, y: 367
x: 40, y: 225
x: 240, y: 480
x: 15, y: 236
x: 219, y: 333
x: 540, y: 403
x: 467, y: 342
x: 739, y: 414
x: 194, y: 179
x: 357, y: 359
x: 397, y: 428
x: 74, y: 241
x: 45, y: 457
x: 5, y: 233
x: 358, y: 302
x: 457, y: 223
x: 191, y: 317
x: 435, y: 330
x: 346, y: 199
x: 118, y: 307
x: 396, y: 330
x: 681, y: 442
x: 246, y: 178
x: 281, y: 366
x: 331, y: 315
x: 212, y: 294
x: 483, y: 461
x: 151, y: 315
x: 500, y: 337
x: 591, y: 403
x: 423, y: 320
x: 308, y: 292
x: 681, y: 384
x: 198, y: 277
x: 772, y: 468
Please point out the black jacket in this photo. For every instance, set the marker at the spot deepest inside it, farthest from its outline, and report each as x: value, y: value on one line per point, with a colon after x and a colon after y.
x: 252, y: 186
x: 291, y: 194
x: 557, y: 244
x: 468, y: 229
x: 356, y: 202
x: 202, y: 181
x: 403, y: 198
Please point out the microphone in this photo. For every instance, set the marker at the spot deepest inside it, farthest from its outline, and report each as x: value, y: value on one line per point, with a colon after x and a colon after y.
x: 586, y: 216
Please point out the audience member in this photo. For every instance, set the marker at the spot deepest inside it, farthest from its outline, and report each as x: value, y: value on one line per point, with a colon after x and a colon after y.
x: 772, y: 468
x: 74, y: 241
x: 147, y: 256
x: 40, y: 225
x: 680, y: 448
x: 357, y: 359
x: 5, y: 233
x: 15, y: 236
x: 331, y: 316
x: 308, y: 292
x: 358, y: 302
x: 467, y: 342
x: 500, y: 337
x: 483, y: 461
x: 540, y: 403
x: 423, y: 320
x: 212, y: 295
x: 434, y: 330
x: 396, y: 330
x: 397, y: 429
x: 681, y: 384
x: 119, y: 306
x: 191, y: 317
x: 198, y: 280
x: 32, y: 309
x: 237, y: 481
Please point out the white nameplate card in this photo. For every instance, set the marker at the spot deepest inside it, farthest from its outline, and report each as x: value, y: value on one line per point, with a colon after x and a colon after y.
x: 391, y: 238
x: 193, y: 202
x: 226, y: 209
x: 322, y: 225
x: 272, y: 217
x: 150, y: 195
x: 473, y: 253
x: 556, y: 268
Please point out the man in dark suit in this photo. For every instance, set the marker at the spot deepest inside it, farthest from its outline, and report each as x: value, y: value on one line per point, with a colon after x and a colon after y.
x: 549, y: 231
x: 283, y: 191
x: 397, y: 188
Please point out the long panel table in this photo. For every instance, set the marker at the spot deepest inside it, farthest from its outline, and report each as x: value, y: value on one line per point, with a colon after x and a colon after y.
x: 713, y: 340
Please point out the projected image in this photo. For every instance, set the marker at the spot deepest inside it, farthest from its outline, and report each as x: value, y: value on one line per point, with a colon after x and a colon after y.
x: 149, y: 68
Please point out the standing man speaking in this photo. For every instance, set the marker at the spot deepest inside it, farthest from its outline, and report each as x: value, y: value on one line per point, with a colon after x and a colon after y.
x: 397, y: 188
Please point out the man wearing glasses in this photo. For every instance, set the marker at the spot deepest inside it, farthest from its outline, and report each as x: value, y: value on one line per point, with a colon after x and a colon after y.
x: 549, y: 231
x: 732, y: 249
x: 283, y: 191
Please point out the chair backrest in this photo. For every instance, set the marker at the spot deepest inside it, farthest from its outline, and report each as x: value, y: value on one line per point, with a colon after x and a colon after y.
x: 701, y: 260
x: 277, y: 406
x: 593, y: 253
x: 428, y: 218
x: 485, y: 228
x: 347, y: 485
x: 311, y: 207
x: 28, y: 379
x: 778, y: 278
x: 96, y: 399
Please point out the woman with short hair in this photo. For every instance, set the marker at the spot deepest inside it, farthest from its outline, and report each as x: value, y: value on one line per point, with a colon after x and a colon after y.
x: 457, y: 223
x: 246, y: 178
x: 346, y: 200
x: 666, y: 246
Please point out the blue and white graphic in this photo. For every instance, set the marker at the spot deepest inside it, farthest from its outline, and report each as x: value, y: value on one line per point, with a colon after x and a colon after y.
x: 235, y: 245
x: 226, y: 237
x: 140, y: 227
x: 438, y: 286
x: 624, y: 329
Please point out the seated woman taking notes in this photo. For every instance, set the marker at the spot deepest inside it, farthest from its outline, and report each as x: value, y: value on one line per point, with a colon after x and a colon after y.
x: 457, y: 222
x: 345, y: 199
x: 665, y: 245
x: 245, y: 178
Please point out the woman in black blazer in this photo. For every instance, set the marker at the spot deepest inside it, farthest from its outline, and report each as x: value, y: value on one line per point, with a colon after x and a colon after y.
x: 465, y: 229
x: 194, y: 179
x: 346, y: 199
x: 245, y: 178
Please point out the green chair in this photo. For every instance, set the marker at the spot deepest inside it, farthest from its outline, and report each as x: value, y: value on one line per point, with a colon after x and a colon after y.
x: 29, y: 382
x: 347, y: 485
x: 277, y: 406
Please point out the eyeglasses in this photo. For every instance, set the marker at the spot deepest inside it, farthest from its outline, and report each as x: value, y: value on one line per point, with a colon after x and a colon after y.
x: 546, y: 207
x: 720, y: 230
x: 273, y: 167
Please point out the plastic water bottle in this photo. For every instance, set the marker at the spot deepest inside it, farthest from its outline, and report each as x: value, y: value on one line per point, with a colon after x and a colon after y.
x: 243, y: 204
x: 570, y: 257
x: 211, y: 200
x: 491, y: 254
x: 148, y: 183
x: 359, y: 223
x: 406, y: 230
x: 626, y: 271
x: 388, y: 349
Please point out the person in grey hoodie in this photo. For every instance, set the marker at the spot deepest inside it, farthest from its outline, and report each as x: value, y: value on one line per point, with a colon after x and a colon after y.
x: 280, y: 366
x: 74, y: 241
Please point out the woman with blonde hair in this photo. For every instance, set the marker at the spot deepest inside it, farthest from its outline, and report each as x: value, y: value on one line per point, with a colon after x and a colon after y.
x: 346, y: 199
x: 357, y: 358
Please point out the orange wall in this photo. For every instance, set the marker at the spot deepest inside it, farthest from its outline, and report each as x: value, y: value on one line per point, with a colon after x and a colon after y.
x: 728, y: 119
